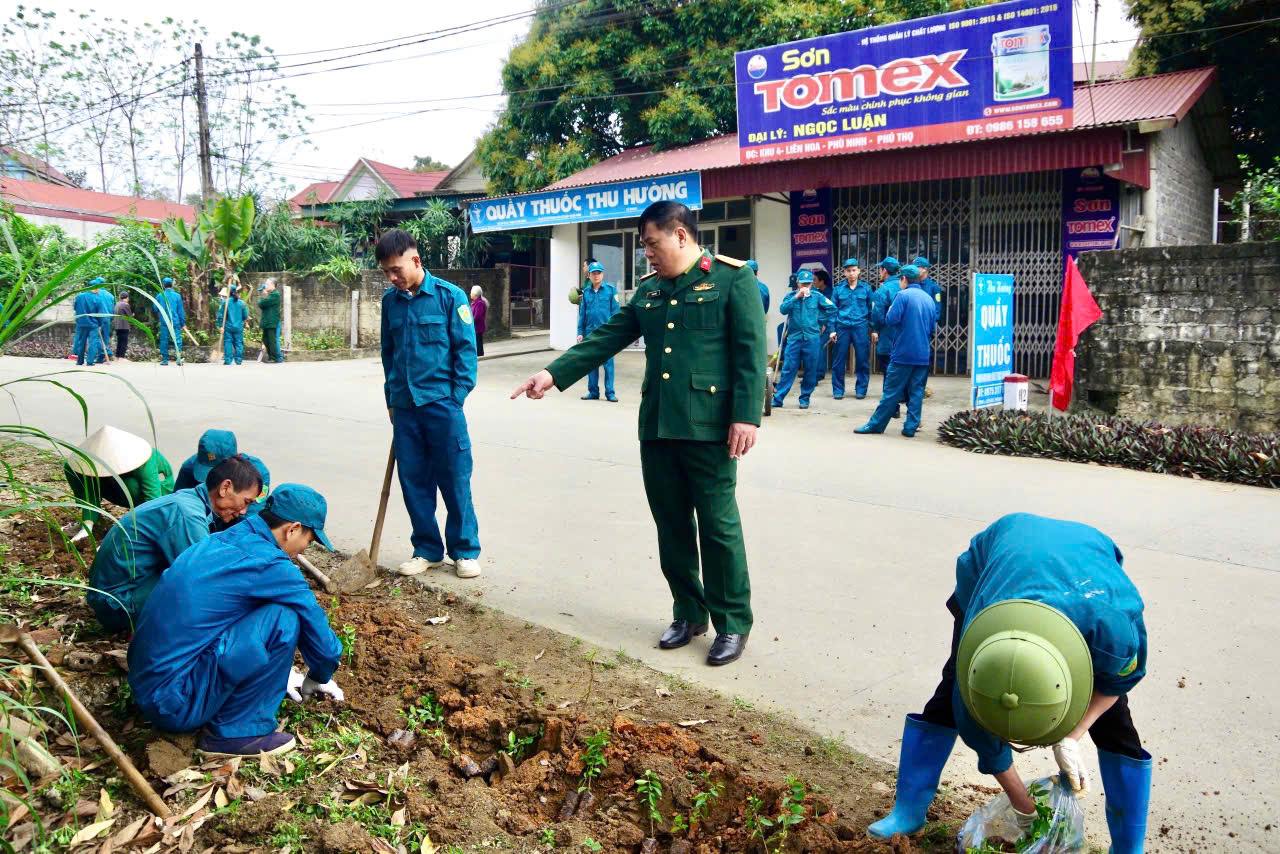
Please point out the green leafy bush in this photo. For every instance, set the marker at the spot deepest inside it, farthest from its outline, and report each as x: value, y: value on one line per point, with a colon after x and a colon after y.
x: 1204, y: 452
x: 325, y: 339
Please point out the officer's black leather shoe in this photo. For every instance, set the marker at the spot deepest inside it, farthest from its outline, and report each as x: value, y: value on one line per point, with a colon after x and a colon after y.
x: 680, y: 633
x: 726, y: 649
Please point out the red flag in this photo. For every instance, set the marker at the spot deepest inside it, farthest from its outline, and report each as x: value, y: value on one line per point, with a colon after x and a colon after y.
x: 1078, y: 313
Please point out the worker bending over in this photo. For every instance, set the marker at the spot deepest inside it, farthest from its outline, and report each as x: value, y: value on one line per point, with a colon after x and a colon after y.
x: 215, y: 643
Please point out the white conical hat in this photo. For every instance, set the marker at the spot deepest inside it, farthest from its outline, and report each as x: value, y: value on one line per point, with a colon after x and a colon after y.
x: 114, y: 451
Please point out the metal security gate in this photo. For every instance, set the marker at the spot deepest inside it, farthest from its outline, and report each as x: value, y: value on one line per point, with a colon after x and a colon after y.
x: 929, y: 218
x: 1014, y: 224
x: 1018, y: 230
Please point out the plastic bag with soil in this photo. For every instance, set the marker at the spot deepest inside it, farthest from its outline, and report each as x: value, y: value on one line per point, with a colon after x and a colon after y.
x: 1059, y: 826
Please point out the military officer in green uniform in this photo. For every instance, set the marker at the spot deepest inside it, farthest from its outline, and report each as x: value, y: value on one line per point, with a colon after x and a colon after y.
x: 700, y: 406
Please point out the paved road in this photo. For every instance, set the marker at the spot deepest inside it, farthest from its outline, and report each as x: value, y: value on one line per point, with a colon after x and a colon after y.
x: 852, y: 543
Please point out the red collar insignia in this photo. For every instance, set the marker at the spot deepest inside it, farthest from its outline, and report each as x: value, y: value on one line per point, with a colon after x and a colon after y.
x: 705, y: 264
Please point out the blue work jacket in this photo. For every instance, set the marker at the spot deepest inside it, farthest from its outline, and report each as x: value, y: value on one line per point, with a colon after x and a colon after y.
x: 881, y: 300
x: 764, y: 295
x: 208, y: 589
x: 236, y: 314
x: 1066, y: 565
x: 806, y: 316
x: 596, y: 307
x: 87, y: 304
x: 428, y: 345
x: 106, y: 306
x: 172, y: 301
x: 143, y: 544
x: 913, y: 319
x: 934, y: 290
x: 853, y: 305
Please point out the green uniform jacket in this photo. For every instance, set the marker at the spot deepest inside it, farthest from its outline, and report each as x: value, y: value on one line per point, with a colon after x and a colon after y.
x: 704, y: 351
x: 153, y: 479
x: 270, y: 307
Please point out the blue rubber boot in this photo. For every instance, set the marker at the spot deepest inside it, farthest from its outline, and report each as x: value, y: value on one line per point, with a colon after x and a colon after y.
x: 1127, y: 783
x: 925, y: 748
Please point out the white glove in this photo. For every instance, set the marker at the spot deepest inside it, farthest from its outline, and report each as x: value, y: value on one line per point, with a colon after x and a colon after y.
x: 328, y: 690
x: 1024, y: 820
x: 1067, y: 752
x: 295, y: 682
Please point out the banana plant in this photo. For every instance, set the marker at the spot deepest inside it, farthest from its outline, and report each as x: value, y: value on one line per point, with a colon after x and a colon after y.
x: 218, y: 241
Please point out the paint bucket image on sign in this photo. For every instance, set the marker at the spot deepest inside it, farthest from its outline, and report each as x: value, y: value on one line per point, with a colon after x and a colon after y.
x: 1020, y: 63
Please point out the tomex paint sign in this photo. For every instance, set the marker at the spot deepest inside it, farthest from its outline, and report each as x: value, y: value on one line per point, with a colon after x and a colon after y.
x: 811, y: 229
x: 1091, y: 211
x: 993, y: 71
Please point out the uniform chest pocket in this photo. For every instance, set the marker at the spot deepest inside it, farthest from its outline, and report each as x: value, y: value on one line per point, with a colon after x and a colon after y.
x: 701, y: 310
x: 428, y: 327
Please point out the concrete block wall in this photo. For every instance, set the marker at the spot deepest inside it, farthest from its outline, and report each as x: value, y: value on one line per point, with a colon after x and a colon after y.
x: 1183, y: 188
x: 1189, y: 335
x: 319, y: 302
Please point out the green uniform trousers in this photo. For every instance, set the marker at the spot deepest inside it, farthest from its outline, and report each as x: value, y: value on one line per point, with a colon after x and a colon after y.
x: 683, y: 478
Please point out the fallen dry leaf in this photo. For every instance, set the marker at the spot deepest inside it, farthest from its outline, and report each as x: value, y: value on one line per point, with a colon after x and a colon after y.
x: 18, y: 814
x: 268, y: 765
x: 186, y: 775
x: 220, y: 799
x: 397, y: 817
x: 289, y: 767
x: 90, y: 832
x: 235, y: 789
x: 198, y: 805
x: 629, y: 704
x: 541, y: 653
x: 130, y: 831
x: 693, y: 723
x: 372, y: 584
x: 105, y: 807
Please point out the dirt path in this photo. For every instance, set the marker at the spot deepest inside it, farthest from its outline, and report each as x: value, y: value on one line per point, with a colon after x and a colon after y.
x: 473, y: 731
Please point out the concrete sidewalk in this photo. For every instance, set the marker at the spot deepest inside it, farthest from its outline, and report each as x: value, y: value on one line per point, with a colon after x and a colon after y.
x: 852, y: 542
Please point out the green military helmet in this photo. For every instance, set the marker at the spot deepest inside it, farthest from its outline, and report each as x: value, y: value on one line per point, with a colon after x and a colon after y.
x: 1024, y: 672
x: 575, y: 295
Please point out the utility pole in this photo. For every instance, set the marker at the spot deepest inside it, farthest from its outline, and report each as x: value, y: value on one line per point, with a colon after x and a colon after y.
x: 206, y: 155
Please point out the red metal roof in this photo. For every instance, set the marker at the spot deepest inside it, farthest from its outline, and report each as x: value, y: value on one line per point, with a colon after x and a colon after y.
x: 38, y: 166
x: 406, y: 182
x: 1108, y: 104
x: 322, y: 190
x: 69, y: 202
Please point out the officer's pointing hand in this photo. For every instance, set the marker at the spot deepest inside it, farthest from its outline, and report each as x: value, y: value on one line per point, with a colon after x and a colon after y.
x: 742, y: 438
x: 535, y: 387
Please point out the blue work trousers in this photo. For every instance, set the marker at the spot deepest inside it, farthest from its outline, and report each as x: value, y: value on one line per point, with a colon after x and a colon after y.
x: 433, y: 451
x: 860, y: 338
x: 166, y: 342
x: 593, y: 380
x: 234, y: 689
x: 824, y: 352
x: 901, y: 381
x: 233, y: 346
x: 800, y: 352
x: 87, y: 345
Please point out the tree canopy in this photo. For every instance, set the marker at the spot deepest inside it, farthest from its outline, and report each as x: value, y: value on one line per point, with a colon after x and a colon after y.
x: 1224, y: 33
x: 596, y: 77
x: 428, y: 164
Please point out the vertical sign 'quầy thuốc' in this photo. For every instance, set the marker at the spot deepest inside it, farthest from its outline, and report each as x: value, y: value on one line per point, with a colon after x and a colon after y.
x: 992, y: 337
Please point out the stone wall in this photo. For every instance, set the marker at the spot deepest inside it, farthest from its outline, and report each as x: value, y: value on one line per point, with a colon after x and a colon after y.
x: 1189, y: 335
x: 1182, y: 186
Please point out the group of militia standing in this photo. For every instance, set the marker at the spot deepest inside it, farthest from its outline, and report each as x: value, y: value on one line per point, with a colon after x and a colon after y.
x: 98, y: 314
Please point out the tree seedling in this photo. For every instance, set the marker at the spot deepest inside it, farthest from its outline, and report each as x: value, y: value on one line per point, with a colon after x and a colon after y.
x: 678, y: 823
x: 649, y: 792
x: 790, y: 815
x: 347, y: 635
x: 593, y: 761
x: 548, y: 837
x: 755, y: 823
x: 703, y: 803
x: 517, y: 747
x: 591, y: 845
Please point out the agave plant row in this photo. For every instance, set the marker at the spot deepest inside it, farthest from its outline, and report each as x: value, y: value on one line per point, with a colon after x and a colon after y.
x: 1206, y: 452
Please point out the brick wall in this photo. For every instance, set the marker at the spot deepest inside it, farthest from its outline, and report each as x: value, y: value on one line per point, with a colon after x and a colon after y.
x: 1189, y: 335
x: 1182, y: 186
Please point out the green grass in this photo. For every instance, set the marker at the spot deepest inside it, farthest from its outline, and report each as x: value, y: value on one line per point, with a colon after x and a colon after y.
x: 288, y: 837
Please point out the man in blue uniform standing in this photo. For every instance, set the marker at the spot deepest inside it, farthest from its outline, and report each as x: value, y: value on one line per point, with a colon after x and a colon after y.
x: 912, y: 319
x: 806, y: 311
x: 881, y: 336
x: 86, y: 344
x: 934, y: 290
x: 148, y: 539
x: 764, y: 289
x: 822, y: 284
x: 599, y: 302
x: 1048, y: 640
x: 853, y: 311
x: 215, y: 643
x: 171, y: 303
x: 106, y: 312
x: 429, y: 361
x: 234, y: 314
